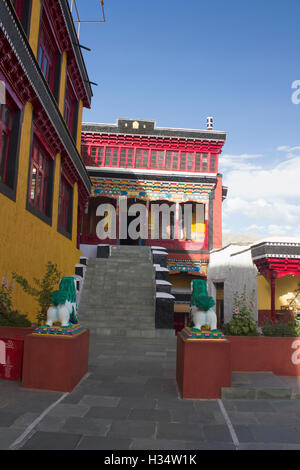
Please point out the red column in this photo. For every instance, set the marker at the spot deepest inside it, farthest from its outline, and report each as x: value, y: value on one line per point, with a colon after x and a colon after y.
x: 273, y: 311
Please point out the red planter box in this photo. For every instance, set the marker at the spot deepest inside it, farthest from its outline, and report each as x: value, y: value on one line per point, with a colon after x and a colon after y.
x: 280, y: 355
x: 55, y: 363
x: 202, y: 367
x: 11, y: 351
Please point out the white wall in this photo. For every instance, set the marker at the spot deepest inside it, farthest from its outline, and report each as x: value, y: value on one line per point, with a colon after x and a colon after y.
x: 236, y: 271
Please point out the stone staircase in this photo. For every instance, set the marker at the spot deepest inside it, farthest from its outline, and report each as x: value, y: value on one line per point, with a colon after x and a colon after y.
x: 118, y: 294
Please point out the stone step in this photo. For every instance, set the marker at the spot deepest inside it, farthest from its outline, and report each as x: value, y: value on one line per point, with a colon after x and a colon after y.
x: 256, y: 386
x: 142, y: 333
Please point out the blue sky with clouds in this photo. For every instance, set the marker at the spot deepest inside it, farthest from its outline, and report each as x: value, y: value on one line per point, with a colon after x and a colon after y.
x: 177, y: 62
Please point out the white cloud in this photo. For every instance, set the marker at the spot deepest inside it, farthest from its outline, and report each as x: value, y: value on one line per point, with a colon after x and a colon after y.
x: 262, y: 200
x: 239, y: 162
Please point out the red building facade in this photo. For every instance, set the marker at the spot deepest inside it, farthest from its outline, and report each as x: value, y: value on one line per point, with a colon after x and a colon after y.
x: 146, y: 164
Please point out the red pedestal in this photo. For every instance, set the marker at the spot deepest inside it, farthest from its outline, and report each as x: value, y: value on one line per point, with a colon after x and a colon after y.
x: 11, y: 351
x: 55, y: 363
x: 203, y: 367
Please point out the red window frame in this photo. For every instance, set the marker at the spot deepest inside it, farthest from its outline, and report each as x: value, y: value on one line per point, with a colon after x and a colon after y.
x: 157, y: 159
x: 126, y: 157
x: 141, y: 158
x: 70, y: 107
x: 6, y: 124
x: 39, y: 177
x: 149, y: 158
x: 47, y: 55
x: 65, y: 205
x: 111, y: 158
x: 19, y: 5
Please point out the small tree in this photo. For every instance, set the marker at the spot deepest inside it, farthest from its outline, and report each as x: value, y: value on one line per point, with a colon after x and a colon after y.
x: 43, y: 290
x: 242, y: 322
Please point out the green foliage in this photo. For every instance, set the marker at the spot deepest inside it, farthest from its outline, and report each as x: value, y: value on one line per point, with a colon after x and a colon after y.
x: 8, y: 316
x: 242, y: 322
x: 291, y: 328
x: 43, y: 289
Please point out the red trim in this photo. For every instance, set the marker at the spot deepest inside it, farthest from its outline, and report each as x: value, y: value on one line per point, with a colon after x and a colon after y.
x: 157, y: 159
x: 39, y: 177
x: 277, y: 267
x: 65, y: 204
x: 6, y: 122
x: 19, y: 5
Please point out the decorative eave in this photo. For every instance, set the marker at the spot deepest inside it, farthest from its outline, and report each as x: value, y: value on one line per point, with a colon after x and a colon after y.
x: 77, y: 62
x: 277, y: 259
x: 19, y: 58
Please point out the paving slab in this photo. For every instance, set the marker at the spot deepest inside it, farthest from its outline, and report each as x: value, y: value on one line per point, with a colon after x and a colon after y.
x: 136, y: 406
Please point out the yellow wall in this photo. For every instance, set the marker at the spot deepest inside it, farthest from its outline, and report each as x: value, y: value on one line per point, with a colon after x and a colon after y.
x: 63, y: 79
x: 35, y: 25
x: 283, y: 286
x: 79, y: 126
x: 26, y: 242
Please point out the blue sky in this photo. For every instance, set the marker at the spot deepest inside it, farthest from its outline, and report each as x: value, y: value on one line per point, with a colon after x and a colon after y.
x: 176, y: 62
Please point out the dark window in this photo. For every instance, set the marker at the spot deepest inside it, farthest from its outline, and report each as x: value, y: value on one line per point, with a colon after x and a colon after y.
x: 111, y: 156
x: 157, y: 159
x: 96, y: 156
x: 84, y: 154
x: 126, y: 157
x: 197, y: 161
x: 190, y: 157
x: 141, y: 158
x: 65, y: 207
x: 204, y: 162
x: 70, y: 109
x: 48, y: 55
x: 6, y: 123
x: 160, y: 159
x: 168, y: 160
x: 213, y: 163
x: 93, y: 159
x: 129, y: 158
x: 40, y: 180
x: 23, y: 10
x: 182, y: 160
x: 175, y: 161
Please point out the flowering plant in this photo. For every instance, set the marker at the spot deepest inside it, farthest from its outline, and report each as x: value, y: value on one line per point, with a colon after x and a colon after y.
x: 9, y: 316
x: 242, y: 322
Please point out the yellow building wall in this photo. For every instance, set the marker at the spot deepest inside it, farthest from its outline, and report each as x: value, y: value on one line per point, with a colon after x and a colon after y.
x: 35, y: 25
x: 63, y: 79
x: 26, y: 242
x: 284, y: 288
x: 79, y: 126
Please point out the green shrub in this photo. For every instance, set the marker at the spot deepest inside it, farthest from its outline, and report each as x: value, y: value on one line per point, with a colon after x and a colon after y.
x: 8, y: 316
x: 43, y: 290
x: 242, y: 322
x: 291, y: 328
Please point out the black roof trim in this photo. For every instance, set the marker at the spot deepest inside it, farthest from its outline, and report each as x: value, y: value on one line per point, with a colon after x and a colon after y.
x: 64, y: 5
x: 155, y: 177
x: 150, y: 129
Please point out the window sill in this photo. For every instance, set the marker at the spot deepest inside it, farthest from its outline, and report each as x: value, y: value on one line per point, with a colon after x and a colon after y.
x: 7, y: 191
x: 45, y: 218
x: 64, y: 233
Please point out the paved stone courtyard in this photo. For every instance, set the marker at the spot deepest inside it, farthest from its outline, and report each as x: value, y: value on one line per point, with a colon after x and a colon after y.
x: 129, y: 400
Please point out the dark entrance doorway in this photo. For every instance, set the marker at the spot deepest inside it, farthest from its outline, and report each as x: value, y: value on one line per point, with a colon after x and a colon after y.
x: 130, y: 218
